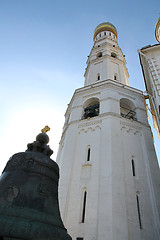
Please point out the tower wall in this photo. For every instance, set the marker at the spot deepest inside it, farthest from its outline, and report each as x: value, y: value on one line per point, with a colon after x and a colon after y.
x: 112, y: 189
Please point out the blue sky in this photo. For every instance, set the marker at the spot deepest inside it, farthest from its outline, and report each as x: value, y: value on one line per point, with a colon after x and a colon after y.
x: 43, y: 51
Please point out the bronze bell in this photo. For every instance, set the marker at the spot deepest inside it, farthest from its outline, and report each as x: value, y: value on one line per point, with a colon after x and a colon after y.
x: 29, y: 206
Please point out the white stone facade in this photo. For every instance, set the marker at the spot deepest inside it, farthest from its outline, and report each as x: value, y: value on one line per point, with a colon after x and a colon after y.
x: 150, y: 63
x: 106, y: 60
x: 109, y: 175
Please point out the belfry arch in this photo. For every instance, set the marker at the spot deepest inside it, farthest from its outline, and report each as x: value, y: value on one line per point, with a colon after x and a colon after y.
x: 127, y: 109
x: 91, y: 108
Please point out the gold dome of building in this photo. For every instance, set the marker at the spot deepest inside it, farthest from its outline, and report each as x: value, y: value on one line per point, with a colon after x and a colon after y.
x: 106, y: 26
x: 157, y: 30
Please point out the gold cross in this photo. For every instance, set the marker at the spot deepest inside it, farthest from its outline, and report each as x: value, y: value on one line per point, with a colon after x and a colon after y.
x: 45, y: 129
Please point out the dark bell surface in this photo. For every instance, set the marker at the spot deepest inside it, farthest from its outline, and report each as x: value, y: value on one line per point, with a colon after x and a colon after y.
x: 29, y: 207
x: 43, y: 138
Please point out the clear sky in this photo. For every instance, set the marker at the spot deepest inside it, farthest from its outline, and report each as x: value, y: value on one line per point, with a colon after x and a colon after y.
x: 43, y: 51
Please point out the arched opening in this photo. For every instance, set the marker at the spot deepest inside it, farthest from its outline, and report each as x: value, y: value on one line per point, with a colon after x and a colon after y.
x: 115, y: 76
x: 98, y: 77
x: 91, y: 108
x: 84, y: 206
x: 88, y: 154
x: 127, y: 109
x: 99, y: 54
x: 114, y: 55
x: 139, y: 211
x: 133, y: 168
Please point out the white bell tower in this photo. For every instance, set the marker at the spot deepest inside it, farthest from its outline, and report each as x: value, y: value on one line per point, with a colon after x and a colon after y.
x: 106, y: 60
x: 109, y: 175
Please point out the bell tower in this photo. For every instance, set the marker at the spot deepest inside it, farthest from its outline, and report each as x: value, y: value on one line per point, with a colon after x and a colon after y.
x: 109, y: 184
x: 106, y: 60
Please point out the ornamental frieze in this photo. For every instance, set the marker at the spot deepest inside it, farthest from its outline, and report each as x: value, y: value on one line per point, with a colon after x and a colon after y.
x: 130, y: 125
x: 89, y: 123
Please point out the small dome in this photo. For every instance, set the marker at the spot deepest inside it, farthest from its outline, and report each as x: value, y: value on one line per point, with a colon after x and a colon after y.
x: 106, y: 26
x: 157, y: 30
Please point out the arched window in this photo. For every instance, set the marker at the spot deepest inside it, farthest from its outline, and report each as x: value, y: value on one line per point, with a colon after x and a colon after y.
x: 88, y: 154
x: 84, y: 206
x: 139, y: 211
x: 127, y: 109
x: 114, y: 55
x: 91, y: 108
x: 98, y: 77
x: 115, y: 76
x: 133, y: 168
x: 99, y: 54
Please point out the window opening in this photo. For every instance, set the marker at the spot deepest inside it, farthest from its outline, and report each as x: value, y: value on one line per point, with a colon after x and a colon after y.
x: 99, y: 54
x: 88, y: 154
x: 91, y: 111
x: 109, y: 34
x: 104, y: 33
x: 84, y: 206
x: 79, y: 238
x: 130, y: 114
x: 127, y: 109
x: 133, y: 168
x: 139, y: 212
x: 100, y: 34
x: 115, y: 77
x: 98, y: 76
x: 113, y: 55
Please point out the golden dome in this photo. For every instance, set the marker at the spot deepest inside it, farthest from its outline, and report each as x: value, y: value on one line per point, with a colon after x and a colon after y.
x: 157, y: 30
x: 106, y: 26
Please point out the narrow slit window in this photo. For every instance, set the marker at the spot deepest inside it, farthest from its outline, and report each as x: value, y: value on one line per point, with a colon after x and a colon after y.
x: 133, y: 168
x: 84, y: 206
x: 115, y: 77
x: 88, y: 154
x: 139, y: 212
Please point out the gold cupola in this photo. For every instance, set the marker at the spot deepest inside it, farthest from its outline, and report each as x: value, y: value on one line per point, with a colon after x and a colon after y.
x: 157, y: 30
x: 106, y: 26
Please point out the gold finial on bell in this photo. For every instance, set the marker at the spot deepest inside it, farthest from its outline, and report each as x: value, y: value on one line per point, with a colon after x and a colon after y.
x: 45, y: 129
